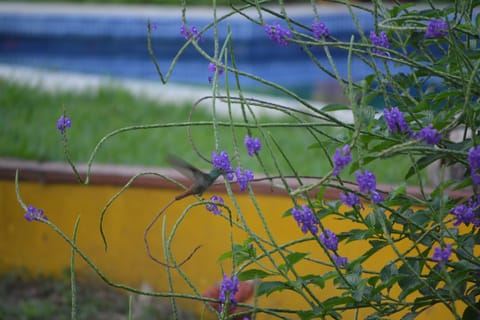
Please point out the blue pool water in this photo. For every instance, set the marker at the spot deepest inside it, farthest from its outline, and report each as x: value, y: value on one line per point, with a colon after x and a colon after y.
x: 116, y: 45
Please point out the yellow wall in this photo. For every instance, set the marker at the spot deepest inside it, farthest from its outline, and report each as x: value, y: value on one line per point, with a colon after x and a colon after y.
x: 41, y: 251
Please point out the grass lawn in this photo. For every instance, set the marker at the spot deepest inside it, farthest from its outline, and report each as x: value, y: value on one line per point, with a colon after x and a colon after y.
x: 28, y: 130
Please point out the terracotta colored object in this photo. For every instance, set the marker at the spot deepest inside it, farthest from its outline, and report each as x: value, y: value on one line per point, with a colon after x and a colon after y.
x: 245, y: 292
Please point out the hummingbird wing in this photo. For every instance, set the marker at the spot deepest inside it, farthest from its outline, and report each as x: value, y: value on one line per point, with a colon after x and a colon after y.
x: 186, y: 168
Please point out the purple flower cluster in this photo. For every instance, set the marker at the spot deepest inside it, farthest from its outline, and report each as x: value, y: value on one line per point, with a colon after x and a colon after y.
x: 63, y: 123
x: 212, y: 68
x: 329, y: 240
x: 395, y: 120
x: 379, y: 41
x: 34, y: 214
x: 305, y: 218
x: 341, y: 159
x: 243, y: 177
x: 319, y: 30
x: 350, y: 199
x: 430, y: 135
x: 253, y: 145
x: 442, y: 255
x: 278, y: 33
x: 467, y: 213
x: 191, y: 32
x: 339, y: 261
x: 228, y: 287
x: 222, y: 161
x: 474, y: 161
x: 212, y: 207
x: 367, y: 183
x: 436, y: 28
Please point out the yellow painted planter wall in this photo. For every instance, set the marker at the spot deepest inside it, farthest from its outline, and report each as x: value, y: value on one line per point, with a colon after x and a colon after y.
x: 37, y: 248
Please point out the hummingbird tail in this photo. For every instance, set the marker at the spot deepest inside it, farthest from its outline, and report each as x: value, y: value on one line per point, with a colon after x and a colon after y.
x: 183, y: 195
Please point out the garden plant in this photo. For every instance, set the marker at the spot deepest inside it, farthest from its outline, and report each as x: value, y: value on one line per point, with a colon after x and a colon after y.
x: 424, y: 63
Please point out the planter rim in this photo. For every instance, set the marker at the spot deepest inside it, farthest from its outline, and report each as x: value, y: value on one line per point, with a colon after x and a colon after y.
x: 119, y: 175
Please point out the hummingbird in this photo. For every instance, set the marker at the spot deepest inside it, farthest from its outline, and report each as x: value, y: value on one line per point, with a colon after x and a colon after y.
x: 201, y: 181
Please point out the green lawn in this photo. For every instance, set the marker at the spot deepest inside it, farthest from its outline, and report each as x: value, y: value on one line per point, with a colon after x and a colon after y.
x: 28, y: 130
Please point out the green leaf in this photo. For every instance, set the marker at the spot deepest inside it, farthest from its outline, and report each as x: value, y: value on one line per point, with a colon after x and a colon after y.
x: 423, y: 163
x: 253, y: 274
x: 369, y: 253
x: 287, y: 213
x: 240, y: 253
x: 399, y: 190
x: 316, y: 312
x: 388, y: 272
x: 470, y: 313
x: 410, y: 316
x: 335, y: 301
x: 292, y: 259
x: 335, y: 107
x: 313, y: 279
x: 268, y: 287
x: 420, y: 218
x: 356, y: 234
x: 378, y: 244
x: 295, y: 257
x: 477, y: 21
x: 321, y: 192
x: 410, y: 272
x: 224, y: 256
x: 439, y: 190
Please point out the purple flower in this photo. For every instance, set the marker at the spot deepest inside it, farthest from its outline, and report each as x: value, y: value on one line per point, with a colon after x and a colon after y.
x: 154, y: 25
x: 395, y: 120
x: 379, y: 41
x: 467, y: 213
x: 305, y: 218
x: 222, y: 161
x: 367, y: 181
x: 228, y: 287
x: 191, y: 32
x: 212, y: 207
x: 339, y: 261
x: 436, y: 28
x: 243, y: 178
x: 329, y: 240
x: 253, y: 145
x: 341, y: 159
x: 430, y: 135
x: 376, y: 197
x: 350, y: 199
x: 212, y: 68
x: 63, y: 123
x: 34, y: 214
x: 442, y: 255
x: 319, y: 30
x: 464, y: 214
x: 278, y: 33
x: 474, y: 161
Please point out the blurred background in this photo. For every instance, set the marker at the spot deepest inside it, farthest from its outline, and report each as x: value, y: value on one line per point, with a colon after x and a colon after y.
x: 90, y: 60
